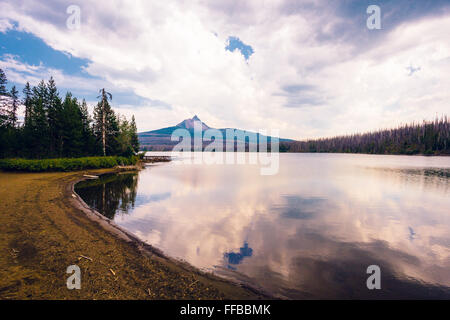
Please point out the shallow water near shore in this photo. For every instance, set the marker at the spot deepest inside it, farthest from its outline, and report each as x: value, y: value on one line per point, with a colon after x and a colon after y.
x: 309, y: 231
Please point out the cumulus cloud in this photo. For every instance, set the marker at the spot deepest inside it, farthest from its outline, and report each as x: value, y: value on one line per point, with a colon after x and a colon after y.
x: 316, y: 69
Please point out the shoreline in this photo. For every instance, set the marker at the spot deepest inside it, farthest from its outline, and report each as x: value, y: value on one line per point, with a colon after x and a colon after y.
x: 143, y: 247
x: 45, y: 228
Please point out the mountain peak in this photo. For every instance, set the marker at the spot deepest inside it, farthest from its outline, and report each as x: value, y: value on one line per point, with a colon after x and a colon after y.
x: 189, y: 123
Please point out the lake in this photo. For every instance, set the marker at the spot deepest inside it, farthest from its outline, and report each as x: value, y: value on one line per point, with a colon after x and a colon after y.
x: 310, y: 231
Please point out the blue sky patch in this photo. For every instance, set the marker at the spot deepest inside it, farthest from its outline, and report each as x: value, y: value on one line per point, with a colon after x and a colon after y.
x: 234, y: 43
x: 33, y: 50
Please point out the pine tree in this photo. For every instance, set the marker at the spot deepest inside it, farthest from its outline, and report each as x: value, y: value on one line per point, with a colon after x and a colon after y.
x: 102, y: 116
x: 106, y: 127
x: 127, y: 139
x: 3, y: 100
x: 3, y: 82
x: 39, y: 134
x: 123, y: 138
x: 3, y: 115
x: 90, y: 144
x: 54, y: 114
x: 27, y: 102
x: 72, y: 127
x: 27, y: 131
x: 13, y: 105
x: 134, y: 135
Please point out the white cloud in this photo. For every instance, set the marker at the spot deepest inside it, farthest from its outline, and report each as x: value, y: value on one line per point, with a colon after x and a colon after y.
x: 21, y: 72
x: 5, y: 25
x: 175, y: 52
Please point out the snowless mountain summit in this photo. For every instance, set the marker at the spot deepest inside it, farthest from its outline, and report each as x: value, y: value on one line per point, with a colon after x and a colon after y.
x: 189, y: 123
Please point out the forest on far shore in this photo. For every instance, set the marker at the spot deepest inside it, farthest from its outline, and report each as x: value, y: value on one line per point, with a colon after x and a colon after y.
x: 56, y: 127
x: 427, y: 138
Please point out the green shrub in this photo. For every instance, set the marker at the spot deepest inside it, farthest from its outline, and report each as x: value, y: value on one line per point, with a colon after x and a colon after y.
x: 65, y: 164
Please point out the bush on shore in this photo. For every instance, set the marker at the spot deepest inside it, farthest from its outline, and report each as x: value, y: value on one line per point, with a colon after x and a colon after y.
x: 65, y: 164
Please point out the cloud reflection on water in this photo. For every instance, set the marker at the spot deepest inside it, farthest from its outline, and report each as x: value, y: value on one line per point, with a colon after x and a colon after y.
x: 314, y: 228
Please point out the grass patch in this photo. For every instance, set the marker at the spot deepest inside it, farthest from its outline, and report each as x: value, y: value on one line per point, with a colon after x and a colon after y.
x: 65, y: 164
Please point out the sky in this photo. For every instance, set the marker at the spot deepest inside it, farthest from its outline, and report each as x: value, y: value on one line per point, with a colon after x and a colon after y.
x: 306, y: 68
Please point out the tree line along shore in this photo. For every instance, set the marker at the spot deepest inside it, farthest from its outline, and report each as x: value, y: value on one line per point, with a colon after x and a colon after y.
x: 54, y: 127
x: 426, y: 138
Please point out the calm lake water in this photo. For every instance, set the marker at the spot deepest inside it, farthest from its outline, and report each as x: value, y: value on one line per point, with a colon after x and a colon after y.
x: 309, y: 231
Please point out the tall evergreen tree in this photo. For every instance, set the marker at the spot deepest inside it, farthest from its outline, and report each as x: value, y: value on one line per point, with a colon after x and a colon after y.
x: 134, y: 135
x: 39, y: 137
x: 106, y: 126
x: 27, y: 131
x: 3, y: 100
x: 123, y: 138
x: 90, y: 144
x: 3, y: 115
x: 3, y: 82
x: 72, y: 127
x: 55, y: 121
x: 13, y: 106
x: 27, y: 102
